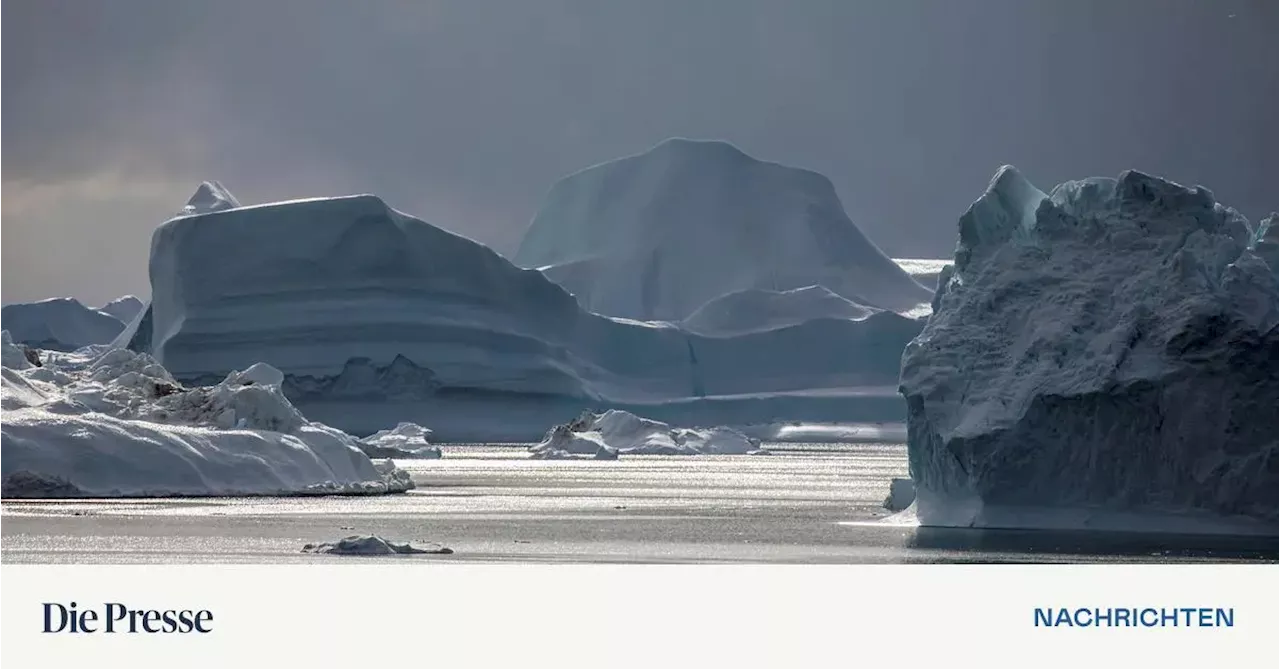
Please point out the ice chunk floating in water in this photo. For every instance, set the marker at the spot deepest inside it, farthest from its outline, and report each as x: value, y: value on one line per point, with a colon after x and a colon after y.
x: 370, y: 544
x: 1102, y: 356
x: 110, y: 422
x: 604, y: 436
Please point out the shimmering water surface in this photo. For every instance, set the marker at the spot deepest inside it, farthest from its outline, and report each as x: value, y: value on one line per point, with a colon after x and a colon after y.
x: 806, y: 503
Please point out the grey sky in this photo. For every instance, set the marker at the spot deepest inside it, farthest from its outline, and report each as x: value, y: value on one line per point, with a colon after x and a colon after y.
x: 465, y: 112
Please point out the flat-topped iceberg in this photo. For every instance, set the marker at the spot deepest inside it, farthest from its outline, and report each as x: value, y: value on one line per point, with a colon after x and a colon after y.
x: 60, y: 324
x: 377, y: 318
x: 103, y: 422
x: 610, y: 434
x: 1101, y: 356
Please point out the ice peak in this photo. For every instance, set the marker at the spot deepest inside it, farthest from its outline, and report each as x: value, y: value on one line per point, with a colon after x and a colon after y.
x: 210, y: 196
x: 1006, y: 209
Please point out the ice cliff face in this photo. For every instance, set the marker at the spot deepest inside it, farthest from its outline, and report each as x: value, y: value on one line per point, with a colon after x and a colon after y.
x: 1108, y: 348
x: 657, y: 235
x: 356, y: 302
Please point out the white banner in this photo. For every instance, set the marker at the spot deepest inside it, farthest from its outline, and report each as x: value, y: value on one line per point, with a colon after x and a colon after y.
x: 466, y: 615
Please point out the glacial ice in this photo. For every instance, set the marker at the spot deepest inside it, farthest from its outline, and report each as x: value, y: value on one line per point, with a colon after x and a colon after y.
x: 209, y: 197
x: 902, y: 494
x: 756, y: 310
x: 1107, y: 360
x: 657, y: 235
x: 59, y: 324
x: 123, y: 309
x: 377, y: 318
x: 370, y: 544
x: 102, y: 422
x: 406, y: 440
x: 612, y: 433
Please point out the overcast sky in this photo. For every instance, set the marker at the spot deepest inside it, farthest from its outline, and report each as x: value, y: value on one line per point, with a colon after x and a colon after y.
x: 464, y: 112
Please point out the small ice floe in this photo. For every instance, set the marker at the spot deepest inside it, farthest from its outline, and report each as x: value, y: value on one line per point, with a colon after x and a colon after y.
x: 902, y: 493
x: 369, y: 544
x: 612, y: 433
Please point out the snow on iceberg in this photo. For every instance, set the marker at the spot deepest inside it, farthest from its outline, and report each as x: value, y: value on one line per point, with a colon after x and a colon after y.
x: 377, y: 318
x: 406, y: 440
x: 209, y: 197
x: 657, y: 235
x: 370, y: 544
x: 613, y: 433
x: 109, y: 422
x: 1101, y: 356
x: 59, y: 324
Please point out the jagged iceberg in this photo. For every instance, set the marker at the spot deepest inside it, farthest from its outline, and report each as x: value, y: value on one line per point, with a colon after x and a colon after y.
x: 610, y: 434
x: 59, y: 324
x: 377, y: 318
x: 657, y: 235
x: 102, y: 422
x: 1101, y: 356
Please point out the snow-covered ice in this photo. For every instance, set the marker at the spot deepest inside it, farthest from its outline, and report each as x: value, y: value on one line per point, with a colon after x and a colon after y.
x: 1104, y: 355
x: 406, y: 440
x: 102, y: 422
x: 657, y: 235
x: 613, y: 433
x: 59, y: 324
x: 370, y: 544
x: 377, y: 318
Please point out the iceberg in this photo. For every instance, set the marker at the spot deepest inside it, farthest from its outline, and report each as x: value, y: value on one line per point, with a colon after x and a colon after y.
x: 102, y: 422
x: 657, y: 235
x: 59, y: 324
x: 610, y: 434
x: 1102, y: 356
x: 377, y: 318
x: 406, y: 440
x: 370, y: 544
x: 123, y: 309
x: 209, y: 197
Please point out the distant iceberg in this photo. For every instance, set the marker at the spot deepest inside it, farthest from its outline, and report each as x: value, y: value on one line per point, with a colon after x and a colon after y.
x: 658, y: 235
x: 209, y: 197
x: 61, y: 323
x: 1104, y: 355
x: 610, y: 434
